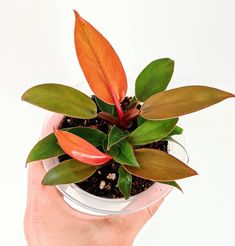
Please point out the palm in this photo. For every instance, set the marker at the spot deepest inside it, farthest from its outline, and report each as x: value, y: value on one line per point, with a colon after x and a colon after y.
x: 50, y: 221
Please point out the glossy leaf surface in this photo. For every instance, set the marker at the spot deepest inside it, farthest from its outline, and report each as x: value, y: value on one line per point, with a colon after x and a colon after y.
x: 99, y: 62
x: 124, y: 182
x: 115, y: 136
x: 61, y: 99
x: 105, y: 107
x: 151, y: 131
x: 80, y: 149
x: 181, y: 101
x: 140, y: 120
x: 123, y: 153
x: 157, y: 165
x: 154, y: 78
x: 67, y: 172
x: 48, y: 147
x: 176, y: 131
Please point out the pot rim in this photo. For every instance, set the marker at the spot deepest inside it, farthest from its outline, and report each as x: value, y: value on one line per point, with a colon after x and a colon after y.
x: 53, y: 120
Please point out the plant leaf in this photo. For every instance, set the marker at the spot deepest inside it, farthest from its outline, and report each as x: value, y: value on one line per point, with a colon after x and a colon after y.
x: 105, y: 107
x: 181, y: 101
x: 157, y: 165
x: 44, y: 149
x: 115, y: 136
x: 151, y: 131
x: 67, y: 172
x: 124, y: 182
x: 176, y: 131
x: 130, y: 115
x: 91, y: 135
x: 140, y: 120
x: 154, y: 78
x: 61, y: 99
x: 79, y: 149
x: 48, y: 147
x: 123, y: 153
x: 174, y: 184
x: 107, y: 117
x: 105, y: 143
x: 99, y: 62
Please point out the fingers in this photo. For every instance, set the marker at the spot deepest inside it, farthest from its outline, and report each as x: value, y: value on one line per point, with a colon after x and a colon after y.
x: 39, y: 194
x: 141, y: 217
x: 36, y: 172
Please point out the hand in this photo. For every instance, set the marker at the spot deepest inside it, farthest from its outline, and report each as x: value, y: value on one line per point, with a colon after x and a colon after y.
x: 49, y: 221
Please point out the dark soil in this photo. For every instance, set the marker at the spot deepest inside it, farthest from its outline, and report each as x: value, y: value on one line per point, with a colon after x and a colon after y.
x: 103, y: 182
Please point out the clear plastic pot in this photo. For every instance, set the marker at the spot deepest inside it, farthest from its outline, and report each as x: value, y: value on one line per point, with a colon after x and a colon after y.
x: 91, y: 204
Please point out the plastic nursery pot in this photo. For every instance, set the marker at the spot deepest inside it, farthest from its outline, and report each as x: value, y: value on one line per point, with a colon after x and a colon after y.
x: 91, y: 204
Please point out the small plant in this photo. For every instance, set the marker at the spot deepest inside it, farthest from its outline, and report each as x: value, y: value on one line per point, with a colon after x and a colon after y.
x: 150, y: 116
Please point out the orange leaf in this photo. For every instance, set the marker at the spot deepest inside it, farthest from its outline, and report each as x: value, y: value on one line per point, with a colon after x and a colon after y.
x: 158, y: 165
x: 79, y: 149
x: 100, y: 63
x: 181, y: 101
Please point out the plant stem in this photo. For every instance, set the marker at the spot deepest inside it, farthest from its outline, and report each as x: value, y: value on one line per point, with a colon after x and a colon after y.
x: 118, y: 106
x: 129, y: 116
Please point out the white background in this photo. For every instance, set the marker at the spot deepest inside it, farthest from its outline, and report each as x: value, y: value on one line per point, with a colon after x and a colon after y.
x: 36, y: 46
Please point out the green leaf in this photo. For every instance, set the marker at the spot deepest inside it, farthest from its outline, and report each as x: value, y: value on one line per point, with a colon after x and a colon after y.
x: 44, y: 149
x: 105, y: 107
x: 157, y: 165
x: 124, y: 182
x: 61, y: 99
x: 140, y: 120
x: 154, y: 78
x: 105, y: 143
x: 176, y: 131
x: 123, y: 153
x: 115, y: 136
x: 181, y: 101
x: 93, y: 136
x: 151, y: 131
x: 174, y: 184
x: 48, y: 147
x: 67, y: 172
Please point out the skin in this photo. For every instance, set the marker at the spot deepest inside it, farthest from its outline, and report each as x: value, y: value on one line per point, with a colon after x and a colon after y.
x: 49, y: 221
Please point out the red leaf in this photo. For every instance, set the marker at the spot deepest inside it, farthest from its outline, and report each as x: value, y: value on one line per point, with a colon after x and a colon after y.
x: 79, y: 149
x: 130, y: 115
x: 107, y: 117
x: 100, y: 63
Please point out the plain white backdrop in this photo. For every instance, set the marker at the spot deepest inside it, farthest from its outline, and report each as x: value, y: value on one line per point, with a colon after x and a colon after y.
x: 36, y: 46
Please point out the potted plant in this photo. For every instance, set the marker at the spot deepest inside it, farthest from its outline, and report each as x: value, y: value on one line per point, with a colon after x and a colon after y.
x: 109, y: 146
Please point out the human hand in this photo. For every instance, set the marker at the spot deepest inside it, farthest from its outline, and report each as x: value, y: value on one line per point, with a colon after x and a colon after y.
x: 49, y: 221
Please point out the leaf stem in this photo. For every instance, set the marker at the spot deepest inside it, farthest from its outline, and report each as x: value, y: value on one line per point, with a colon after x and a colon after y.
x: 117, y: 105
x: 107, y: 117
x: 130, y: 115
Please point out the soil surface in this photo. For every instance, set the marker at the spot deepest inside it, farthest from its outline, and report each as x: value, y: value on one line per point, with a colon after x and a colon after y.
x: 103, y: 182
